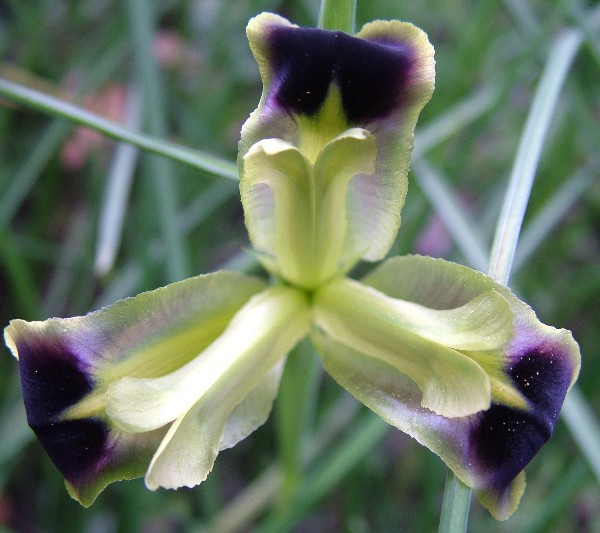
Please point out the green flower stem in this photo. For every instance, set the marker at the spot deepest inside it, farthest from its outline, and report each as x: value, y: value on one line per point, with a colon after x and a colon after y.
x: 296, y: 403
x: 295, y: 408
x: 363, y: 436
x: 56, y: 107
x: 456, y: 505
x: 338, y: 15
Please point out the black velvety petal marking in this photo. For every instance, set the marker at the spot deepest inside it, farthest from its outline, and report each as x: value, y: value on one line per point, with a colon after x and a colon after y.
x: 53, y: 379
x: 369, y: 75
x: 505, y: 439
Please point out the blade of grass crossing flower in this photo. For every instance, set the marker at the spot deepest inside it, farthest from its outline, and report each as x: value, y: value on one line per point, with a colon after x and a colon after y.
x: 545, y: 100
x: 56, y: 107
x: 338, y: 15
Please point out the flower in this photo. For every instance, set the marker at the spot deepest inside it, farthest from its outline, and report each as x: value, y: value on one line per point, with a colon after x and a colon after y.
x: 158, y: 384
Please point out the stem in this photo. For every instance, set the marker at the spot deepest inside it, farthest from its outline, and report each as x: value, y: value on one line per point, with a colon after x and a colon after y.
x: 338, y: 15
x: 295, y: 409
x: 455, y: 509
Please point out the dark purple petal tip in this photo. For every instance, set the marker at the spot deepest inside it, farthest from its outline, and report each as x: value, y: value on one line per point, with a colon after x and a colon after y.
x: 78, y: 448
x: 51, y: 377
x: 369, y: 75
x: 505, y: 439
x: 53, y: 380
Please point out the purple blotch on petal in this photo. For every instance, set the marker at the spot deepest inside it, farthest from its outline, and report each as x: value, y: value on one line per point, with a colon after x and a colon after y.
x: 505, y: 439
x: 370, y: 75
x: 77, y: 447
x: 52, y: 380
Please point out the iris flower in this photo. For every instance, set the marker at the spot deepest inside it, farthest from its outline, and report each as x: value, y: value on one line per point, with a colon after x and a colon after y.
x: 158, y: 384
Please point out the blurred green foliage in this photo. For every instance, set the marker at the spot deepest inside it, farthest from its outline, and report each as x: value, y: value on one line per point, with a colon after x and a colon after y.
x: 53, y: 180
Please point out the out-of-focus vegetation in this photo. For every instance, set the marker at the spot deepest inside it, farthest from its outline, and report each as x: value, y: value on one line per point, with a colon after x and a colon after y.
x: 358, y: 476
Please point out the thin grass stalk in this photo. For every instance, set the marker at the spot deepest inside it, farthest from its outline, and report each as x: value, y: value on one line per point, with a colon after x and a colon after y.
x: 30, y: 170
x: 584, y: 427
x: 454, y: 119
x: 118, y: 186
x: 452, y: 214
x: 263, y: 490
x: 540, y: 228
x: 517, y: 195
x: 363, y: 436
x: 57, y: 107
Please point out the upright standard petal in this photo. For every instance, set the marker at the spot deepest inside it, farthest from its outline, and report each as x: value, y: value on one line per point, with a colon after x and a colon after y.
x: 529, y: 378
x: 67, y: 365
x: 206, y: 397
x: 319, y: 84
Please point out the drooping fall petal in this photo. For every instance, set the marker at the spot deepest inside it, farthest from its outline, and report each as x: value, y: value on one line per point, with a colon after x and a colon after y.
x: 529, y: 378
x: 67, y: 365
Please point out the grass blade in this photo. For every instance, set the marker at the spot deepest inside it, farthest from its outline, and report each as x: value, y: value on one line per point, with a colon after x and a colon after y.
x: 545, y: 100
x: 338, y: 15
x: 584, y: 427
x: 54, y: 106
x: 112, y: 213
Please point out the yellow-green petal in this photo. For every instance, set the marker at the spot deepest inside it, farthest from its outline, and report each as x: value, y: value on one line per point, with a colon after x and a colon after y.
x: 67, y: 365
x: 206, y: 398
x: 411, y: 339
